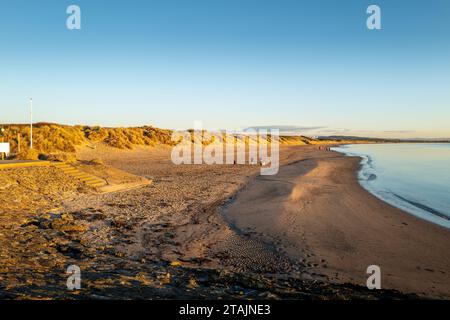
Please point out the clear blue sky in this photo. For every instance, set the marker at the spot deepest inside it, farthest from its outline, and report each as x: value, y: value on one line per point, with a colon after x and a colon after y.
x: 230, y: 64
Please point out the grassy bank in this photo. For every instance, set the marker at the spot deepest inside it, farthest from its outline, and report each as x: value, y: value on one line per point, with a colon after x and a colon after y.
x: 50, y: 139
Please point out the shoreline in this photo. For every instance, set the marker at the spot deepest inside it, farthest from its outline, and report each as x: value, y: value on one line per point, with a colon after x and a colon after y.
x: 319, y: 212
x: 417, y: 209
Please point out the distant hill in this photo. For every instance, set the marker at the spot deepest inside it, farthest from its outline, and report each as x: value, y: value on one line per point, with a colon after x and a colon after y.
x: 353, y: 138
x: 380, y: 140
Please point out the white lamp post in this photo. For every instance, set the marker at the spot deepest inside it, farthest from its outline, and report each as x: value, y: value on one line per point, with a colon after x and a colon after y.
x: 31, y: 123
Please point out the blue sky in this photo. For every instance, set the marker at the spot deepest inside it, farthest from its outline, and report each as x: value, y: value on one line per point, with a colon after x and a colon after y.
x: 230, y: 64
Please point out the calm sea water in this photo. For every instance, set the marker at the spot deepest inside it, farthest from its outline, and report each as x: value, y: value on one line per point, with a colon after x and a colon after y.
x: 412, y: 177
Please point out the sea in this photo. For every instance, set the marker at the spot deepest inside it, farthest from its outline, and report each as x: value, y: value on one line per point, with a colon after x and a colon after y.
x: 414, y: 177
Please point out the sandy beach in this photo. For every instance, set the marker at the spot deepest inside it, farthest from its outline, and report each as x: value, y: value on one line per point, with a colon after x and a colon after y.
x: 200, y: 231
x: 316, y: 211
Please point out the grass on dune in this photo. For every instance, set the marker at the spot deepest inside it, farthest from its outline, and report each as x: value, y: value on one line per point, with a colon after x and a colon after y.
x: 51, y: 139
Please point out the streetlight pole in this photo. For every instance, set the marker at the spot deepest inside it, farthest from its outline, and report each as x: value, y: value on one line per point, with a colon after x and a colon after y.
x: 31, y: 123
x: 3, y: 133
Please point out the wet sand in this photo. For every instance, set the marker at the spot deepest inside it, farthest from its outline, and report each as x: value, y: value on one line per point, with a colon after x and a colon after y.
x: 316, y: 211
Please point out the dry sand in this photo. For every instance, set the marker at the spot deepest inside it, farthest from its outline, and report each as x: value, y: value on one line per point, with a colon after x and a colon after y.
x: 316, y: 210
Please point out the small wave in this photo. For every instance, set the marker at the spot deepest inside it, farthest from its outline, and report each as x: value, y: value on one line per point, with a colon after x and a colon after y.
x: 369, y: 161
x: 423, y: 207
x: 367, y: 169
x: 367, y: 176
